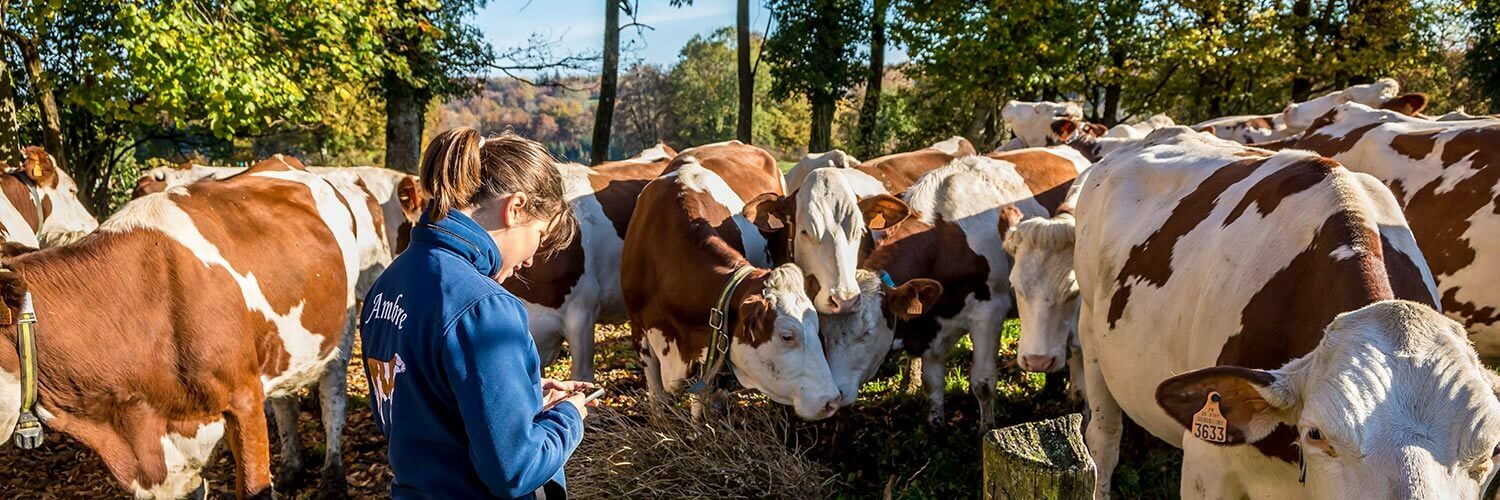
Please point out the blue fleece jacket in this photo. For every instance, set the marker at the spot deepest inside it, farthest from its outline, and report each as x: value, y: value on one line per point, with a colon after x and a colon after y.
x: 454, y: 377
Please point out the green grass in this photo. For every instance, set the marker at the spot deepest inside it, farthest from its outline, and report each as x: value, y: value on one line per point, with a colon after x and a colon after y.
x: 785, y: 165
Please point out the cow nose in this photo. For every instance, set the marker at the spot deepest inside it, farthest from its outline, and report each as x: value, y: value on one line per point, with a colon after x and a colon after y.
x: 829, y: 409
x: 1037, y: 363
x: 837, y: 304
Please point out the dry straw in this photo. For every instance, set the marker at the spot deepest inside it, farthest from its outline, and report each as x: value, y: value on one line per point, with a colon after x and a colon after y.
x: 748, y: 453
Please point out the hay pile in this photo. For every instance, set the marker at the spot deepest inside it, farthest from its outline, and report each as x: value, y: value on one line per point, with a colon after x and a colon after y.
x: 665, y: 453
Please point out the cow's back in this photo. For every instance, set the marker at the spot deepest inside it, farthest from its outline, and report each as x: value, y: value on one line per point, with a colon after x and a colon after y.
x: 748, y: 170
x: 1194, y: 252
x: 1049, y: 172
x: 901, y: 170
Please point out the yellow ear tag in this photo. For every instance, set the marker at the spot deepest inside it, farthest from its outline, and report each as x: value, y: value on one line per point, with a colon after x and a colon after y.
x: 5, y: 319
x: 1209, y: 424
x: 36, y: 169
x: 877, y: 221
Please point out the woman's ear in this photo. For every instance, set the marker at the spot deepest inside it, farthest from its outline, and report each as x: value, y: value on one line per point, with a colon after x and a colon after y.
x: 515, y: 208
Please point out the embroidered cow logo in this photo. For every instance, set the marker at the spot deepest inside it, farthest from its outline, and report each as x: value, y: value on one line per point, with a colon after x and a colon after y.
x: 382, y: 376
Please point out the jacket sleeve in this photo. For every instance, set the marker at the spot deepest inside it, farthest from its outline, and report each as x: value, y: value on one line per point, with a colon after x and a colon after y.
x: 493, y: 371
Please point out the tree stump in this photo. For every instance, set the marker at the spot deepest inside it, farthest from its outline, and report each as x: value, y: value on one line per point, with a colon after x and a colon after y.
x: 1040, y: 460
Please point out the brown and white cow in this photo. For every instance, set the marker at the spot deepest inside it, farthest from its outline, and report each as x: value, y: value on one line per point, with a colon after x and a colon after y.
x: 41, y: 206
x: 221, y: 294
x: 1445, y: 175
x: 857, y: 342
x: 1253, y: 129
x: 1196, y: 253
x: 952, y: 238
x: 399, y: 194
x: 569, y: 291
x: 1140, y: 129
x: 688, y: 236
x: 899, y: 171
x: 1031, y: 122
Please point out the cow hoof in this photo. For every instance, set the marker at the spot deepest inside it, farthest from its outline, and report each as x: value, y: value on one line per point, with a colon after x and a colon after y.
x: 334, y: 485
x: 288, y: 475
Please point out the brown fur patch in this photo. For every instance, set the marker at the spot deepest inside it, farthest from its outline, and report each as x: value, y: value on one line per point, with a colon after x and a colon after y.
x: 1047, y: 175
x: 940, y: 252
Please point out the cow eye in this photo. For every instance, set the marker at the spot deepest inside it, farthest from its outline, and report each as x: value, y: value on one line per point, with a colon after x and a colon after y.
x: 789, y: 337
x: 1314, y: 434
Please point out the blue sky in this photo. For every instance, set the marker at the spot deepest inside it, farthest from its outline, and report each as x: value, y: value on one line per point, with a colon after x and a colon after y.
x: 578, y: 25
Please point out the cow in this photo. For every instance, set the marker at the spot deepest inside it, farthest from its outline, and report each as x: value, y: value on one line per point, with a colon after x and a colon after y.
x: 1205, y: 265
x: 221, y: 295
x: 898, y: 171
x: 1140, y: 129
x: 42, y: 207
x: 1445, y: 175
x: 566, y: 293
x: 812, y: 161
x: 399, y: 194
x: 688, y: 241
x: 951, y: 237
x: 1246, y: 129
x: 1031, y: 122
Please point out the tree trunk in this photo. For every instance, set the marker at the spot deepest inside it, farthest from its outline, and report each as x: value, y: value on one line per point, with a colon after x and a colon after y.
x: 604, y: 115
x: 747, y: 78
x: 820, y: 139
x: 47, y: 103
x: 1038, y: 460
x: 404, y: 107
x: 869, y: 113
x: 10, y: 131
x: 1302, y: 31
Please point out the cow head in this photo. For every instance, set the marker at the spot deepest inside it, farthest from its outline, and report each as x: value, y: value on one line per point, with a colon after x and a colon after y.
x: 955, y: 146
x: 1301, y: 115
x: 857, y: 342
x: 1045, y: 287
x: 776, y: 349
x: 65, y: 219
x: 1032, y: 121
x: 1393, y: 400
x: 829, y: 224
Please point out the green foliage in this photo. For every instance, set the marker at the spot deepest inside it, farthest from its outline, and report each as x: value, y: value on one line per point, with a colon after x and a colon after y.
x: 815, y: 49
x: 1482, y: 62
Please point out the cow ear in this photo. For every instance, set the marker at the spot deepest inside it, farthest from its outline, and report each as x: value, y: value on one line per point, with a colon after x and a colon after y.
x: 913, y: 298
x: 769, y: 212
x: 1064, y: 129
x: 1206, y: 129
x: 411, y: 197
x: 1407, y: 104
x: 1096, y: 129
x: 1248, y: 415
x: 883, y: 211
x: 1010, y: 217
x: 40, y: 166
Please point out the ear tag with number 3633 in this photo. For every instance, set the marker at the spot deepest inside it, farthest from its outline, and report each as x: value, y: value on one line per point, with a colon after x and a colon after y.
x: 1209, y: 424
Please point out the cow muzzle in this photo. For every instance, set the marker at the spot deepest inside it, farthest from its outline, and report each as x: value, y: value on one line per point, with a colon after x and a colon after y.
x: 1040, y: 363
x: 842, y: 303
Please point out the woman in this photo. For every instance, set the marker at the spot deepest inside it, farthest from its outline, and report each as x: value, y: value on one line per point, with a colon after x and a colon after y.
x: 454, y: 377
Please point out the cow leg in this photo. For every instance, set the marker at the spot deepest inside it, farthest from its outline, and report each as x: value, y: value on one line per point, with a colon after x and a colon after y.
x: 249, y: 441
x: 983, y: 375
x: 287, y: 409
x: 1104, y: 427
x: 933, y: 370
x: 332, y: 393
x: 578, y: 327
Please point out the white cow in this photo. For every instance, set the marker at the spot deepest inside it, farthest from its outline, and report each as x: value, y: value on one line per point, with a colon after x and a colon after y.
x: 41, y: 207
x: 1031, y: 122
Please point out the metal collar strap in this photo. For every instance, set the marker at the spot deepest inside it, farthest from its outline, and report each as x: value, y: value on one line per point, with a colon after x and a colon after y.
x: 719, y: 340
x: 28, y: 433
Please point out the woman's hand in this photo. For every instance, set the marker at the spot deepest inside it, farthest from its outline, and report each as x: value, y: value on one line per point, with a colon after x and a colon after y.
x: 555, y: 391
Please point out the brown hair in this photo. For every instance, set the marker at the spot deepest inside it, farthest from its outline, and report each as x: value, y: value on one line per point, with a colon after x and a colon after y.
x: 461, y: 168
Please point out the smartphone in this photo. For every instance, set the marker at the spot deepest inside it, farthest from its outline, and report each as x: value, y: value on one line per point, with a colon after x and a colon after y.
x: 594, y: 395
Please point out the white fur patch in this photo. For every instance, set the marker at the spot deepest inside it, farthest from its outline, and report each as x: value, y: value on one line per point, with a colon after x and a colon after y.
x: 185, y: 458
x: 694, y: 177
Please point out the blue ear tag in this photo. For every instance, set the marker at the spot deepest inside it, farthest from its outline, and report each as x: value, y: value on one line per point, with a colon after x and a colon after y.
x: 885, y: 279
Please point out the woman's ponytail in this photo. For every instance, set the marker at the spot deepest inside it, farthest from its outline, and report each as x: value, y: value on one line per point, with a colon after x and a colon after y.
x: 451, y: 170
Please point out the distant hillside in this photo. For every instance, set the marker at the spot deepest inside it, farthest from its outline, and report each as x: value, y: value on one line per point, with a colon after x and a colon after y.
x: 561, y: 118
